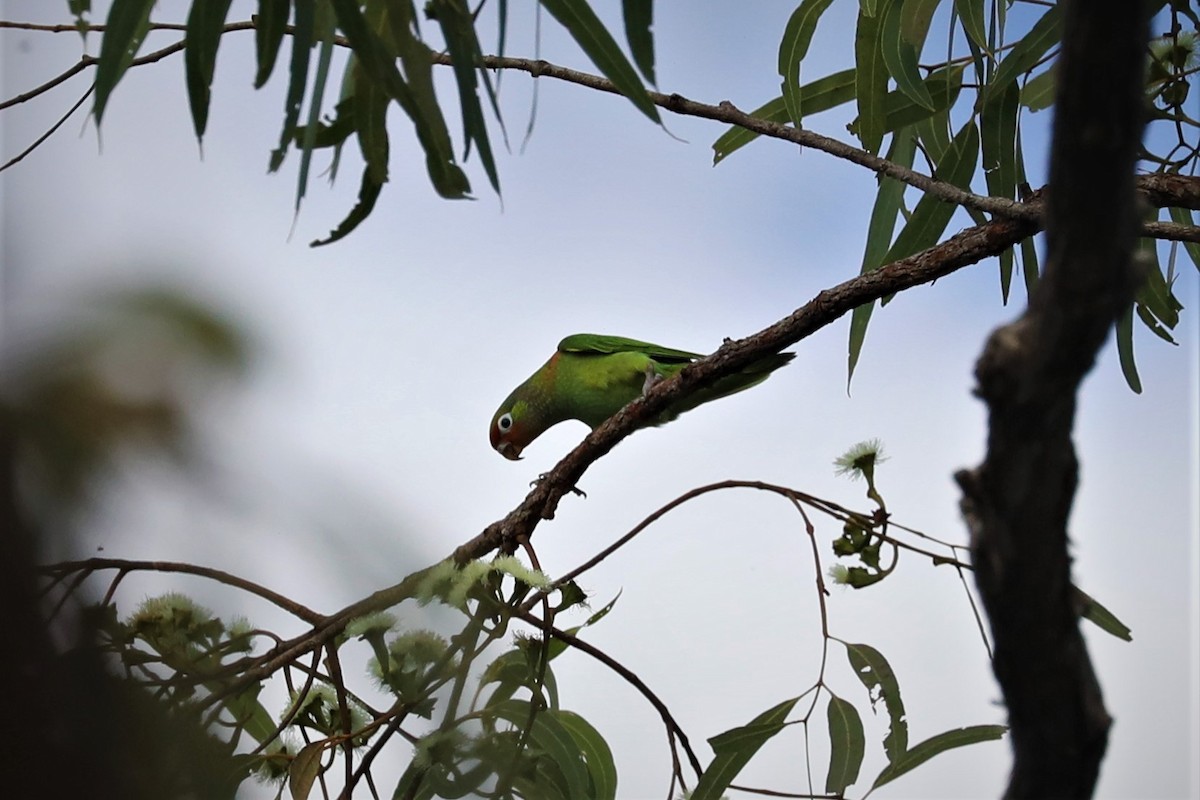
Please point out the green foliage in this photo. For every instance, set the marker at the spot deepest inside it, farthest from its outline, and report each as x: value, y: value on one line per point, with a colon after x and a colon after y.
x: 907, y: 81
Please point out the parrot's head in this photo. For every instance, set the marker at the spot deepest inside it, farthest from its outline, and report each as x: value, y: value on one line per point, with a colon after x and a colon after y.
x: 509, y: 432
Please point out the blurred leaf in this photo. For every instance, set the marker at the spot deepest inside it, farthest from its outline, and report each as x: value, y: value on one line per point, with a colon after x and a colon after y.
x: 949, y: 740
x: 598, y: 44
x: 931, y: 216
x: 1100, y: 616
x: 900, y: 55
x: 204, y: 24
x: 250, y: 713
x: 512, y: 671
x: 1024, y: 55
x: 847, y: 745
x: 876, y: 674
x: 1038, y: 92
x: 797, y: 35
x: 303, y: 771
x: 80, y: 9
x: 550, y: 736
x: 270, y: 24
x: 596, y: 754
x: 302, y: 41
x: 879, y: 236
x: 734, y: 748
x: 125, y: 30
x: 971, y: 14
x: 820, y: 95
x: 871, y: 82
x: 639, y: 18
x: 1124, y: 334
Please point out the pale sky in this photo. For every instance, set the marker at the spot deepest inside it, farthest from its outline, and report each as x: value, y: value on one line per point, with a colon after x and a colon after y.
x: 357, y: 451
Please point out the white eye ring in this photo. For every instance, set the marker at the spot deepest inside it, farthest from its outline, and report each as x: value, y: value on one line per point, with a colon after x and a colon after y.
x: 504, y: 423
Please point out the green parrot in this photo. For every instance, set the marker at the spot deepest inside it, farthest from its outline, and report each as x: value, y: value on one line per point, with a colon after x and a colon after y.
x: 591, y: 377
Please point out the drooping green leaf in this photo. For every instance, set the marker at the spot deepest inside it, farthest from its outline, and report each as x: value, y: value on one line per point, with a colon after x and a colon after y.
x: 935, y: 745
x: 998, y: 135
x: 1124, y: 334
x: 871, y: 81
x: 797, y: 35
x: 303, y: 770
x: 1100, y: 616
x: 972, y: 16
x: 900, y: 55
x: 847, y: 745
x: 552, y: 738
x: 1029, y: 256
x: 324, y: 30
x: 931, y: 216
x: 820, y: 95
x: 1024, y: 55
x: 203, y: 36
x: 876, y: 674
x: 396, y: 26
x: 302, y: 40
x: 1155, y: 294
x: 368, y: 193
x: 1038, y: 92
x: 1183, y: 216
x: 370, y: 124
x: 1029, y: 264
x: 596, y: 754
x: 598, y: 44
x: 124, y: 31
x: 458, y: 29
x: 879, y: 236
x: 639, y: 19
x: 447, y: 178
x: 734, y: 748
x: 269, y: 28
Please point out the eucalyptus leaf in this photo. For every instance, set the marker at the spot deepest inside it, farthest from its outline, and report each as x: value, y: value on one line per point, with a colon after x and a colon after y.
x: 847, y: 745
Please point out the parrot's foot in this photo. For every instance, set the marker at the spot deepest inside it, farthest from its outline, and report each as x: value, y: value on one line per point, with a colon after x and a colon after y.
x: 652, y: 378
x: 573, y: 489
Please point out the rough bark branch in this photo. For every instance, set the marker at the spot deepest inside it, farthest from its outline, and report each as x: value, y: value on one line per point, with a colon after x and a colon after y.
x: 1017, y: 502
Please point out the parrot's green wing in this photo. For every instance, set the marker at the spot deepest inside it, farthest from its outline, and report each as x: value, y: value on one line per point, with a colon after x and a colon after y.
x: 599, y: 344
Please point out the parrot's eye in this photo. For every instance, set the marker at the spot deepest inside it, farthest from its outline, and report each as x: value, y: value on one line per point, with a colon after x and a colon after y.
x: 504, y: 423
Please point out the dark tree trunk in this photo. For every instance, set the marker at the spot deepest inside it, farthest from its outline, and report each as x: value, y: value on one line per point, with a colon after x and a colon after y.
x: 1017, y: 503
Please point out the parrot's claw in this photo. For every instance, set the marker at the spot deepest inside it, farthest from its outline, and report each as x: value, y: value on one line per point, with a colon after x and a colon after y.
x: 573, y: 490
x: 652, y: 378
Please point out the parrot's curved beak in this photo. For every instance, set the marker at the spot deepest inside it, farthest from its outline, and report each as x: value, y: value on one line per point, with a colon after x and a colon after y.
x: 509, y: 450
